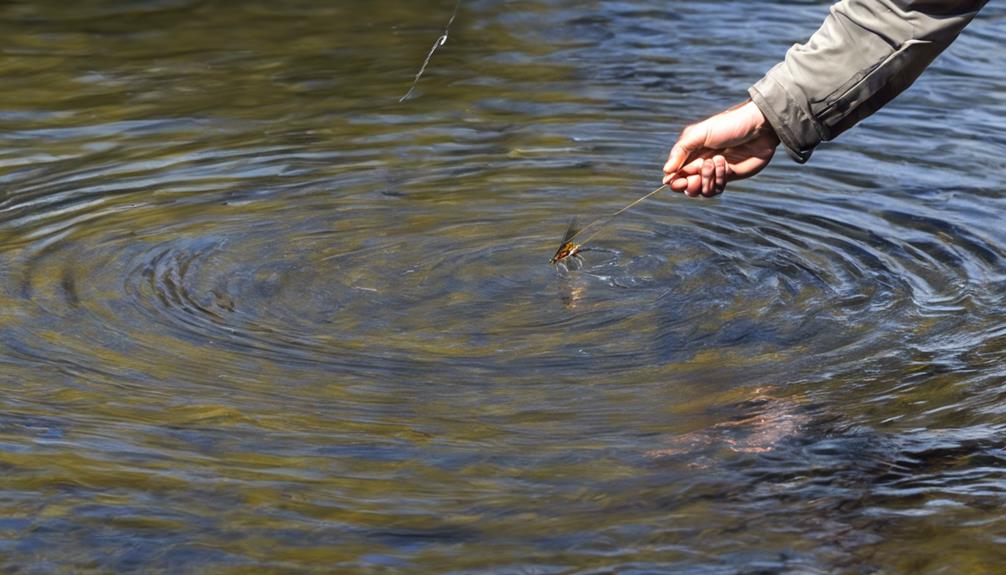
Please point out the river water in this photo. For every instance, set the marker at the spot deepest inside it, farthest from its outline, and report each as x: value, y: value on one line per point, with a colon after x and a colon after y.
x: 260, y: 316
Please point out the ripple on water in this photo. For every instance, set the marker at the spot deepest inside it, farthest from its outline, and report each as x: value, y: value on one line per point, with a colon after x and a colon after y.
x: 377, y: 284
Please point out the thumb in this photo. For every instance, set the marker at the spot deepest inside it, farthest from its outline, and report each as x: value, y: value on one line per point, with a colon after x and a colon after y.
x: 691, y: 140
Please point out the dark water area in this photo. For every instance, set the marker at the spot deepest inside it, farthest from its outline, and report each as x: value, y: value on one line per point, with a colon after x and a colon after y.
x: 259, y: 316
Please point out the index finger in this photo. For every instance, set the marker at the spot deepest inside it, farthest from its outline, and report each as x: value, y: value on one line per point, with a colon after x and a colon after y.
x: 676, y: 158
x: 691, y: 140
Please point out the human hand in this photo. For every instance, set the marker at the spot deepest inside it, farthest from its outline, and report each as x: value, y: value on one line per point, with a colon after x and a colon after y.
x: 732, y: 145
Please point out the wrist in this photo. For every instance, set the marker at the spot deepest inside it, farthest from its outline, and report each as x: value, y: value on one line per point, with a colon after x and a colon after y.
x: 753, y: 118
x: 758, y: 124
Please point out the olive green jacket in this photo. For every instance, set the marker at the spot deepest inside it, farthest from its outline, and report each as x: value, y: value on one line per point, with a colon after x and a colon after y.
x: 866, y: 53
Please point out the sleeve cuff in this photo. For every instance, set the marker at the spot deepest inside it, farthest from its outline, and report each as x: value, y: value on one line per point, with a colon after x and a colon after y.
x: 797, y: 130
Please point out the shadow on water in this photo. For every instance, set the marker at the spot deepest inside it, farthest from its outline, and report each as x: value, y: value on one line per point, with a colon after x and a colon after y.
x: 259, y: 315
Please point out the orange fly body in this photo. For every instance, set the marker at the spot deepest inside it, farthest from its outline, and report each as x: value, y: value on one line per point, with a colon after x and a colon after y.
x: 567, y: 248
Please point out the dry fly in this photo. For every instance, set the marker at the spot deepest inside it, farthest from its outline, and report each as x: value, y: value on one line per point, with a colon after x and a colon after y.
x: 569, y: 249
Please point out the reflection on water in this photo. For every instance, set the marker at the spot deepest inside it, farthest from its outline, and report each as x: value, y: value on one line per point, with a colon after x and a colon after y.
x: 261, y: 316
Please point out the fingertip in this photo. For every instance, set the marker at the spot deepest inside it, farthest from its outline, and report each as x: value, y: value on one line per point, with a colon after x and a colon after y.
x: 694, y: 186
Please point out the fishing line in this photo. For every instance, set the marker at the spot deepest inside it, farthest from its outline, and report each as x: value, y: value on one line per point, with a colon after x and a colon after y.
x: 603, y: 220
x: 436, y: 46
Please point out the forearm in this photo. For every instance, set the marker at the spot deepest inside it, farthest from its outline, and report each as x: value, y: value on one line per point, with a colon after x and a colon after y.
x: 866, y: 53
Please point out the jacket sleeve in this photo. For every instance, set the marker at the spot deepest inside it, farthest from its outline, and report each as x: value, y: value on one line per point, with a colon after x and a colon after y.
x: 866, y: 53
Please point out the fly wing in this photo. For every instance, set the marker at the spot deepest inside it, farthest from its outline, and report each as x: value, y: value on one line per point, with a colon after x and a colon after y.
x: 570, y: 231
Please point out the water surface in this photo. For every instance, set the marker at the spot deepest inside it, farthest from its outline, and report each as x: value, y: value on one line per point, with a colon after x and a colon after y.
x: 260, y: 316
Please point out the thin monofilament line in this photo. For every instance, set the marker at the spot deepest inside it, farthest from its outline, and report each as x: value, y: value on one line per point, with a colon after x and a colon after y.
x: 436, y: 45
x: 603, y: 220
